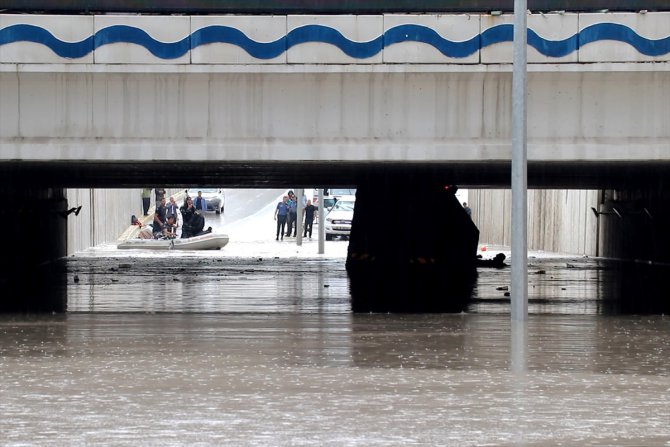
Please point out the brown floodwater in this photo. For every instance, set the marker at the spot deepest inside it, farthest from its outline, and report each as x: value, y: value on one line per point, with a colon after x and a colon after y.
x: 183, y: 349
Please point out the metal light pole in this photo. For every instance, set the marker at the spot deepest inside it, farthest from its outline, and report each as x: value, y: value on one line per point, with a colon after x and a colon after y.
x: 298, y: 222
x: 519, y: 168
x: 322, y: 227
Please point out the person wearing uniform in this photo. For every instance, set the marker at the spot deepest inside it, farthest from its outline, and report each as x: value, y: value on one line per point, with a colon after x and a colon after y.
x: 281, y: 213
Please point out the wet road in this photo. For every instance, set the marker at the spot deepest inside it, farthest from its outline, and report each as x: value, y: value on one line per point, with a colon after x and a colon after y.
x: 255, y: 345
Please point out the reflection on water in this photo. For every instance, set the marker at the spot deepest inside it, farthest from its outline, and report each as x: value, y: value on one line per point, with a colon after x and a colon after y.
x: 580, y: 285
x: 206, y: 350
x: 194, y: 284
x: 211, y: 283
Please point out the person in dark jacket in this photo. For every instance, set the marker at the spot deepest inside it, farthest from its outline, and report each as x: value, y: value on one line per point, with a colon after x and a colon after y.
x: 291, y: 221
x: 160, y: 218
x: 187, y: 212
x: 309, y: 218
x: 193, y: 221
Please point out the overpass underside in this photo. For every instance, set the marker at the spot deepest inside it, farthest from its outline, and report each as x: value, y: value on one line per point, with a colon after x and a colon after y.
x: 602, y: 129
x: 110, y: 127
x: 309, y: 174
x: 406, y: 227
x: 371, y: 103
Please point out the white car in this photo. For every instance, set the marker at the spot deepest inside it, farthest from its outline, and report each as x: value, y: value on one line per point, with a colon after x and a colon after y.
x: 214, y: 197
x: 329, y: 202
x: 338, y: 220
x: 313, y: 195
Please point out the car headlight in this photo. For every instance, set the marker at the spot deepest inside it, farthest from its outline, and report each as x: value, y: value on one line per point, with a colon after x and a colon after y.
x: 329, y: 220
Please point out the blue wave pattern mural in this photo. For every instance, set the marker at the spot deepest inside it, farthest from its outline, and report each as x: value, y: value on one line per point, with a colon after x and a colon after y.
x: 131, y: 34
x: 328, y: 35
x: 36, y: 34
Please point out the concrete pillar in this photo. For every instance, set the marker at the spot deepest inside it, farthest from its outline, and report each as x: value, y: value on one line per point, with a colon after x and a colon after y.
x: 412, y: 246
x: 634, y: 228
x: 35, y: 227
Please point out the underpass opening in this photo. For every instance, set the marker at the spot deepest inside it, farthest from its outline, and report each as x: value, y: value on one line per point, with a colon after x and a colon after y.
x: 638, y: 236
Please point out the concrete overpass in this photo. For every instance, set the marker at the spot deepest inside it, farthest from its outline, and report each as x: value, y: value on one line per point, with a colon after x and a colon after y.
x: 115, y: 101
x: 220, y: 96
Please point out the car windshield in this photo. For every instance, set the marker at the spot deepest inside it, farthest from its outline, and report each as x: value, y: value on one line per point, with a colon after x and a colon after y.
x: 342, y: 192
x: 344, y: 205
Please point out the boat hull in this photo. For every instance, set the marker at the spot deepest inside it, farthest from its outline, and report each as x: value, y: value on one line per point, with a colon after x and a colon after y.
x: 204, y: 242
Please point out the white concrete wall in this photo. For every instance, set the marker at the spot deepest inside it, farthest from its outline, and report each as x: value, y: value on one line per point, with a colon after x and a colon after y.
x: 104, y: 216
x: 559, y: 221
x: 453, y: 116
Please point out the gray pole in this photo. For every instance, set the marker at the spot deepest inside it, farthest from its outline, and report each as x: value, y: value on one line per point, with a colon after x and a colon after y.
x: 519, y: 303
x: 298, y: 223
x: 322, y: 227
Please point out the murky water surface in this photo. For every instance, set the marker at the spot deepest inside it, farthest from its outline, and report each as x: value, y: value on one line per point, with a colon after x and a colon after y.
x: 227, y: 351
x: 334, y: 379
x: 219, y: 349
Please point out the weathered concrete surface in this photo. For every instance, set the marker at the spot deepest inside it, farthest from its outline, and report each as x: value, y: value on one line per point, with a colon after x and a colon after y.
x: 559, y: 221
x: 346, y: 116
x: 624, y: 223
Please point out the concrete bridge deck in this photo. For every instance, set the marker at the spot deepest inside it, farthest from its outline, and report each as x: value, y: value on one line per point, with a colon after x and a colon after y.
x: 217, y: 96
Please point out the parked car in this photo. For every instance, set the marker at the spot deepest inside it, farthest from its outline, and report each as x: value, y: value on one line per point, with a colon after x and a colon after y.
x: 339, y: 192
x: 215, y: 198
x: 329, y: 199
x: 329, y: 203
x: 338, y: 220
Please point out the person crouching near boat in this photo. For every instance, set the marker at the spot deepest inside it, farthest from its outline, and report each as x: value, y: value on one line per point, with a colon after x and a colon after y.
x: 187, y: 211
x: 192, y: 219
x: 170, y: 228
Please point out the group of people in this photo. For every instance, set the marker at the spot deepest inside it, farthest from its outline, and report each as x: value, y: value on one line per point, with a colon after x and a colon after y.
x: 286, y: 215
x: 166, y: 221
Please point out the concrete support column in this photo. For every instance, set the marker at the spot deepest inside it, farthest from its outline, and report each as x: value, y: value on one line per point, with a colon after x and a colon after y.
x: 634, y: 229
x: 35, y: 227
x: 412, y: 246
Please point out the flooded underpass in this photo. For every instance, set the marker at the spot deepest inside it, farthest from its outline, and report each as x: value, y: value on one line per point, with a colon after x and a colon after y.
x: 227, y: 348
